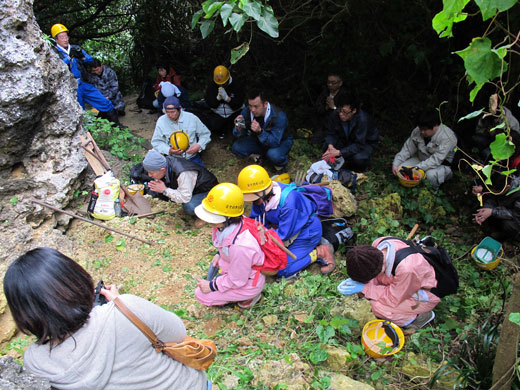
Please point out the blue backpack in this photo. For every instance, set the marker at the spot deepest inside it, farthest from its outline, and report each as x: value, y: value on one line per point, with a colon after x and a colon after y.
x: 321, y: 196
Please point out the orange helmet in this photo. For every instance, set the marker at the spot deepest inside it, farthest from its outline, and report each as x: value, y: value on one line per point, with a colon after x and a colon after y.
x: 221, y: 75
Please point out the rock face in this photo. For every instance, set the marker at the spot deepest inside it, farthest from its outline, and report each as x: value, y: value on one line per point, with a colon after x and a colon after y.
x: 13, y: 377
x: 40, y: 122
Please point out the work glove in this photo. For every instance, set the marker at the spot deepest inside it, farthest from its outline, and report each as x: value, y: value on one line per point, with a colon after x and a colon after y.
x: 223, y: 94
x: 349, y: 287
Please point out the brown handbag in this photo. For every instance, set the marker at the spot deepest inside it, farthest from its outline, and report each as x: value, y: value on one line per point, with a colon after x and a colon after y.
x: 198, y: 354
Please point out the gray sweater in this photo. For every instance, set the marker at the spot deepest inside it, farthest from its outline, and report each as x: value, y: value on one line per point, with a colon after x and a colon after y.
x: 110, y: 353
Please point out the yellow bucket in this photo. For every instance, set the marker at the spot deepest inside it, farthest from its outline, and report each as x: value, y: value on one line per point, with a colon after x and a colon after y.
x: 487, y: 254
x: 411, y: 183
x: 134, y: 188
x: 382, y: 338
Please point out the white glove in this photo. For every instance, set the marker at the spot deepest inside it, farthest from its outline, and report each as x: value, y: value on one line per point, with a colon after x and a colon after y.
x: 222, y: 94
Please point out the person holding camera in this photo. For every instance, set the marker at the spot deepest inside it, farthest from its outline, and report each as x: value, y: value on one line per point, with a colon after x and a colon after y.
x: 76, y: 58
x: 82, y: 346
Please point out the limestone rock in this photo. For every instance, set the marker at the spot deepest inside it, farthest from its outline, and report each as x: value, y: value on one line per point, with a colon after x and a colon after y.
x: 339, y: 359
x: 270, y: 319
x: 40, y: 123
x: 342, y: 382
x: 356, y: 308
x: 345, y: 204
x: 229, y: 382
x: 273, y: 373
x: 13, y: 377
x: 422, y: 367
x: 7, y: 326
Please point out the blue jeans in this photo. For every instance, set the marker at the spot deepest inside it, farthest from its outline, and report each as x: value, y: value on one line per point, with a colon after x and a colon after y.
x: 90, y: 94
x: 198, y: 160
x: 196, y: 199
x: 209, y: 385
x: 246, y: 146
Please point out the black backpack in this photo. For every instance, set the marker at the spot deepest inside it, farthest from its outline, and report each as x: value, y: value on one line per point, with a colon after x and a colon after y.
x: 147, y: 95
x: 337, y: 231
x: 445, y: 273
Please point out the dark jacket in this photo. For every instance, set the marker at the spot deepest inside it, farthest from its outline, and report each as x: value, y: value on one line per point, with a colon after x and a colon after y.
x: 274, y: 129
x: 361, y: 130
x: 176, y: 165
x: 234, y: 91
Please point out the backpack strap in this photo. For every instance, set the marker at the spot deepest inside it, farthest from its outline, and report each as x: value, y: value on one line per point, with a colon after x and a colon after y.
x: 285, y: 193
x: 401, y: 254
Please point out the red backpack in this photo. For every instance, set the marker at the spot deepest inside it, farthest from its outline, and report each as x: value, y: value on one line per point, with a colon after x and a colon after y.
x: 275, y: 258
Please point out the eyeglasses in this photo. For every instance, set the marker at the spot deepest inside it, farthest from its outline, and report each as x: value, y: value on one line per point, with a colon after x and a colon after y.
x: 345, y: 112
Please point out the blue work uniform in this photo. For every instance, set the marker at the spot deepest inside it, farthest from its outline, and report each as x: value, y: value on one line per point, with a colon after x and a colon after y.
x: 296, y: 217
x: 86, y: 92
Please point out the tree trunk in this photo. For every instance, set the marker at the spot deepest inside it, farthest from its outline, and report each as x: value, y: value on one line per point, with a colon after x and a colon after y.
x: 505, y: 359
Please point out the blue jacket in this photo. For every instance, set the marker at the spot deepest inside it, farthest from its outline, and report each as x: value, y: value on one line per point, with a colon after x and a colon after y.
x: 74, y: 64
x: 274, y: 127
x: 297, y: 215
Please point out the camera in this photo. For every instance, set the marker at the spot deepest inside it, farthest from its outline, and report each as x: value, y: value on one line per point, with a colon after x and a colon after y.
x: 240, y: 122
x: 98, y: 298
x: 75, y: 52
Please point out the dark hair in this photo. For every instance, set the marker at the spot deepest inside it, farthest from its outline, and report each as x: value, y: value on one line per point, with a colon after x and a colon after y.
x: 346, y: 99
x: 233, y: 220
x: 364, y: 263
x: 95, y: 63
x: 49, y: 294
x: 163, y: 65
x: 253, y: 93
x: 428, y: 119
x: 335, y: 74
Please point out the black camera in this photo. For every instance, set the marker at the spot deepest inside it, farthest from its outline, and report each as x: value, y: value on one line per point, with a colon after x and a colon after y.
x: 76, y: 52
x: 99, y: 299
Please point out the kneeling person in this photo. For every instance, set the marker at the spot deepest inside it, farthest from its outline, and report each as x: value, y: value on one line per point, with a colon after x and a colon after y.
x: 402, y: 296
x: 295, y: 222
x: 238, y: 251
x: 180, y: 180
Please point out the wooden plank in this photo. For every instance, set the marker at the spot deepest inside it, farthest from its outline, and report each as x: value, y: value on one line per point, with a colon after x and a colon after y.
x: 94, y: 163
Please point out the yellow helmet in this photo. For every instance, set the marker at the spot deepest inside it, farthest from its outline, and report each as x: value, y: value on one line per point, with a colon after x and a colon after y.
x: 220, y: 75
x: 58, y: 28
x: 283, y: 178
x: 179, y: 140
x: 382, y: 338
x: 223, y: 200
x: 252, y: 180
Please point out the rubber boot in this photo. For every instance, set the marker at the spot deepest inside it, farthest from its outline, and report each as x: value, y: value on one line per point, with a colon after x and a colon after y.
x: 325, y: 252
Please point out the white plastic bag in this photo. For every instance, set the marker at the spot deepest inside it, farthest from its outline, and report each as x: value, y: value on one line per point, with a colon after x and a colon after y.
x: 107, y: 187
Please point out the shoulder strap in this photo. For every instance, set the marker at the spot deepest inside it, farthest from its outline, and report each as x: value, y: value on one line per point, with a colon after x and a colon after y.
x: 402, y: 254
x: 285, y: 193
x: 239, y: 230
x: 156, y: 343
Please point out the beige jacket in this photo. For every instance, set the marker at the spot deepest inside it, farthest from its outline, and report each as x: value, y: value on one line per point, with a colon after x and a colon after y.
x: 439, y: 149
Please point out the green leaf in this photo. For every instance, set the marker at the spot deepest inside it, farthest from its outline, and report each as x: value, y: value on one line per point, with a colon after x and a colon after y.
x: 225, y: 11
x: 253, y: 9
x: 513, y: 190
x: 109, y: 238
x: 481, y: 62
x: 120, y: 244
x: 489, y: 8
x: 475, y: 91
x: 318, y: 356
x: 237, y: 21
x: 452, y: 13
x: 515, y: 318
x: 471, y: 115
x: 212, y: 9
x: 487, y: 172
x: 14, y: 200
x: 206, y: 5
x: 206, y: 27
x: 195, y: 18
x: 325, y: 333
x: 238, y: 52
x: 501, y: 148
x: 268, y: 24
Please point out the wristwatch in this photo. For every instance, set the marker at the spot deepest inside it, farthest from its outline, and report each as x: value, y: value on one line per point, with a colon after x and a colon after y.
x: 165, y: 192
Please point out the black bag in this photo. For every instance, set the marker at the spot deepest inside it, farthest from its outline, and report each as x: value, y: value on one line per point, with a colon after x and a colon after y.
x: 336, y: 231
x: 445, y: 272
x: 147, y: 96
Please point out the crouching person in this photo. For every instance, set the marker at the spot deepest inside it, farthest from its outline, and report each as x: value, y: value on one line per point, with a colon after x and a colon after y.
x: 179, y: 180
x: 402, y: 295
x: 295, y: 221
x: 238, y: 251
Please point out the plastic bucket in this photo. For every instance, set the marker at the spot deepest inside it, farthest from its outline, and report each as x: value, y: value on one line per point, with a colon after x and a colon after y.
x: 134, y: 188
x: 487, y: 254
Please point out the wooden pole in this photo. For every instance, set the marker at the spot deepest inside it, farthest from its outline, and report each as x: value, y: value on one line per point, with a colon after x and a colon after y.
x: 282, y: 247
x: 414, y: 230
x: 88, y: 221
x: 149, y: 214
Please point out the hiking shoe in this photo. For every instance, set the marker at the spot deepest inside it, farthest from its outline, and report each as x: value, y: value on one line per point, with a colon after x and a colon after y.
x: 249, y: 303
x: 421, y: 321
x: 257, y: 159
x: 325, y: 252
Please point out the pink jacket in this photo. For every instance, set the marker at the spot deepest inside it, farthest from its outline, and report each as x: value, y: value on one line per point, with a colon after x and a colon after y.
x: 412, y: 274
x: 237, y: 264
